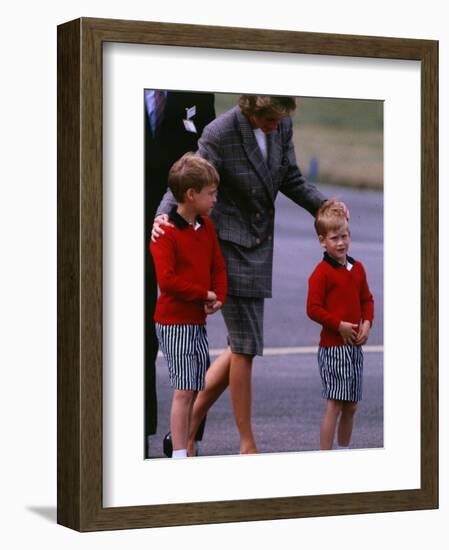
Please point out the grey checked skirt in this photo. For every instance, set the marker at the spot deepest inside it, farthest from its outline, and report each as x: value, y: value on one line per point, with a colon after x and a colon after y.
x: 243, y: 318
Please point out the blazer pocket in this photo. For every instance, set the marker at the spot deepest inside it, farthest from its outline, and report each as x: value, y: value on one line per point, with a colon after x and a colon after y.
x: 232, y: 228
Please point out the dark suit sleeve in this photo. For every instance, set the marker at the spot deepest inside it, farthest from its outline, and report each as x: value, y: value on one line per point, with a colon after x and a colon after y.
x: 178, y: 139
x: 206, y: 111
x: 294, y: 184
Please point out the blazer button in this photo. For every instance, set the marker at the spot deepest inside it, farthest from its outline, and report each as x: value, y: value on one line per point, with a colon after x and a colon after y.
x: 257, y: 215
x: 270, y: 237
x: 257, y: 241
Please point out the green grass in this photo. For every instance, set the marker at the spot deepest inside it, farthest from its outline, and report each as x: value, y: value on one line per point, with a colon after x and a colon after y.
x: 344, y: 135
x: 357, y: 114
x: 352, y: 114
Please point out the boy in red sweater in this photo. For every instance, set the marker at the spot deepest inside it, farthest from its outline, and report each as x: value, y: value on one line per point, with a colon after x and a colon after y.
x: 339, y: 299
x: 191, y: 276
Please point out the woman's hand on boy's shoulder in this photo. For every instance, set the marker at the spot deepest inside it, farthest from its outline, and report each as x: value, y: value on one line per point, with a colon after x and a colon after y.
x: 157, y: 230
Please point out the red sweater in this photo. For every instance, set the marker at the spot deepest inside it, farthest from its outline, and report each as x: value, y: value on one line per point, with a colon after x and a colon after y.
x: 188, y: 264
x: 337, y: 294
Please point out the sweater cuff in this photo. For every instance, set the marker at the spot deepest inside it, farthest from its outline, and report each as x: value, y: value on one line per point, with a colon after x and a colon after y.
x: 334, y: 324
x: 221, y: 298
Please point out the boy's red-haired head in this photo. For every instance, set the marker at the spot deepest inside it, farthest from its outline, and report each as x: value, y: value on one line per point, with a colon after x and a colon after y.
x: 330, y: 217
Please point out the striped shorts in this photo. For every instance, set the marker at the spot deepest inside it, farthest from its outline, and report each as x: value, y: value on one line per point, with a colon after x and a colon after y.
x: 186, y: 349
x: 341, y: 370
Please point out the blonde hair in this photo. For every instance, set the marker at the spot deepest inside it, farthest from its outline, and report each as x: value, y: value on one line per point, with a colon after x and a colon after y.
x: 267, y: 105
x: 330, y: 217
x: 191, y: 172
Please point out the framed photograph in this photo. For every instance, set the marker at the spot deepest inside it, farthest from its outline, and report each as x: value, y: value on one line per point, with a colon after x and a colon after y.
x: 339, y: 148
x: 104, y: 68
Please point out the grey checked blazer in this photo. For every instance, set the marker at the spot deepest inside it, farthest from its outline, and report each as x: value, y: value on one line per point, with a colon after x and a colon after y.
x: 244, y: 213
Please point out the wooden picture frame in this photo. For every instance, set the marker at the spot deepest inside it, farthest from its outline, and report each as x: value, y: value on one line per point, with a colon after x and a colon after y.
x: 80, y: 482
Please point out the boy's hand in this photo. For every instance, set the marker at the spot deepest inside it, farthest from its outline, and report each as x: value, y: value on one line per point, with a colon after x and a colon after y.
x: 348, y: 332
x: 211, y: 296
x: 157, y: 230
x: 211, y: 308
x: 362, y: 336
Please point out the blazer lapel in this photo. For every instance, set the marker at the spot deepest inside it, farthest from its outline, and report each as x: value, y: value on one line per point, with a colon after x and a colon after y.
x: 254, y: 153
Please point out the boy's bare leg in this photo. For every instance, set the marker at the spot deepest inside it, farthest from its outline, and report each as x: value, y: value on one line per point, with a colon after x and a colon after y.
x: 179, y: 418
x: 328, y: 424
x: 217, y: 380
x: 346, y: 423
x: 241, y: 393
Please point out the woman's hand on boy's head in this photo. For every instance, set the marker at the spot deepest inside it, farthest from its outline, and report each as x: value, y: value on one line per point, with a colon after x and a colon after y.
x: 348, y: 331
x: 345, y: 209
x: 157, y: 230
x: 343, y: 206
x: 362, y: 336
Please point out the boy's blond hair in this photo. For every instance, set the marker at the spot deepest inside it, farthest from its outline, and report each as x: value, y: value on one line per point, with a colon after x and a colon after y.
x: 191, y: 172
x: 330, y: 217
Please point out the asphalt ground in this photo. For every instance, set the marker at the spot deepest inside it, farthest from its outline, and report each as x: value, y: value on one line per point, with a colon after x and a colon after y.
x: 287, y: 402
x: 287, y: 408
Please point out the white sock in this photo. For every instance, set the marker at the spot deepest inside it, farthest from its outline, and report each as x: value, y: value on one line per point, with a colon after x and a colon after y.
x: 180, y: 453
x: 342, y: 447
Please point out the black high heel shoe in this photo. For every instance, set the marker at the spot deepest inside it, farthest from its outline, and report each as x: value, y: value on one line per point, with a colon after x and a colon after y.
x: 167, y: 445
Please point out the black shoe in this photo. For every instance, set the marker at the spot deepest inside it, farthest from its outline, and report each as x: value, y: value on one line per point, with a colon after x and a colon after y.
x: 167, y: 445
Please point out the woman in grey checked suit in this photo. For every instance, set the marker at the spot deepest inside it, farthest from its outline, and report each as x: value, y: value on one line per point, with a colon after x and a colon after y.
x: 251, y: 147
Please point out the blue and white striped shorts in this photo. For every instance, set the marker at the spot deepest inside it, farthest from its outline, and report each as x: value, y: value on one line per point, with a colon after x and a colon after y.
x: 341, y: 370
x: 186, y: 349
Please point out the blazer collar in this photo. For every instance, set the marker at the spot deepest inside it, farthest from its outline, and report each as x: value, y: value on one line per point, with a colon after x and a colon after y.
x: 254, y: 153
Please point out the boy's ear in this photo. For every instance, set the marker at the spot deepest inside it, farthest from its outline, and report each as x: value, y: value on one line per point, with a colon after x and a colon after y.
x: 188, y: 195
x: 321, y: 239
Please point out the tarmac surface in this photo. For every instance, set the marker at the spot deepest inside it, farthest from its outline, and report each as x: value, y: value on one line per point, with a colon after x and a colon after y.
x: 287, y: 402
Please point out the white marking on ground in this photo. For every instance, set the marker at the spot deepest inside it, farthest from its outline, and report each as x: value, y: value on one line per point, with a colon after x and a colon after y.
x: 294, y: 350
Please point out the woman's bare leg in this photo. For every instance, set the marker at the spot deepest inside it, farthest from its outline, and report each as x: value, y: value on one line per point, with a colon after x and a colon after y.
x: 240, y: 380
